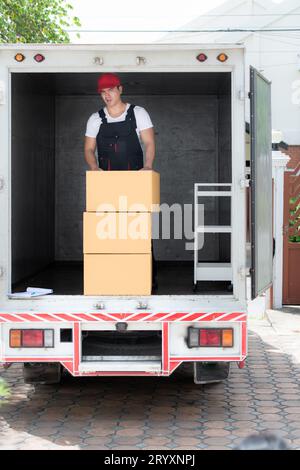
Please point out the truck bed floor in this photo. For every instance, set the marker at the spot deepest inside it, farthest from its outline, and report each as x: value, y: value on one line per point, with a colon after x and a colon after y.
x: 174, y: 278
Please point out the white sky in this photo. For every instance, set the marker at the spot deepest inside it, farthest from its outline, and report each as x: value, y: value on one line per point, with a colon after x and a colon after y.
x: 133, y: 15
x: 136, y: 15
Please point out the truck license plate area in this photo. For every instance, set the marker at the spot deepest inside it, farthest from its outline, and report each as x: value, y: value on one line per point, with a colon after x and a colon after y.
x: 134, y: 345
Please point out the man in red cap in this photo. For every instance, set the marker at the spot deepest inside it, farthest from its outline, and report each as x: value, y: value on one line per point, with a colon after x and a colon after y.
x: 117, y: 131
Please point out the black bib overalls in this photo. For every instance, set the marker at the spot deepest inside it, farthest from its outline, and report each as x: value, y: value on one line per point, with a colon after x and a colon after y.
x: 119, y: 148
x: 118, y: 145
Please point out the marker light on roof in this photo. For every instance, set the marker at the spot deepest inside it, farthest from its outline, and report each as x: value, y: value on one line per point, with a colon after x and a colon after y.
x: 222, y: 57
x: 19, y: 57
x: 201, y: 57
x: 39, y: 58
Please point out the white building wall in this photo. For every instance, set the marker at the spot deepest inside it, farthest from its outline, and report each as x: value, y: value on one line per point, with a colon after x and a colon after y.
x: 275, y: 54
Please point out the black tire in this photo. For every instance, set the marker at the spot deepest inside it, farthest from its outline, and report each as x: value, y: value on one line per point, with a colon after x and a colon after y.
x: 42, y: 373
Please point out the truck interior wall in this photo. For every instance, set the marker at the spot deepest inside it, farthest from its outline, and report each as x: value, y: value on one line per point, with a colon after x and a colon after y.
x: 32, y: 166
x: 191, y: 114
x: 189, y: 145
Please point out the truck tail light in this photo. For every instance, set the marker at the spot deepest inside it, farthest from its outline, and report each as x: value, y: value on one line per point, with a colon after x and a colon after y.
x: 49, y: 338
x: 15, y: 339
x: 210, y: 337
x: 31, y: 338
x: 227, y: 338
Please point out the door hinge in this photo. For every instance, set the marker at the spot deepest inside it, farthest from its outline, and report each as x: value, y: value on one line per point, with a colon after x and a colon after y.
x: 241, y: 95
x: 244, y: 183
x: 243, y: 271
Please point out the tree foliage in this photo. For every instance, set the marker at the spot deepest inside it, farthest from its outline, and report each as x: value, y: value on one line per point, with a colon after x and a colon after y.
x: 36, y: 21
x: 4, y: 391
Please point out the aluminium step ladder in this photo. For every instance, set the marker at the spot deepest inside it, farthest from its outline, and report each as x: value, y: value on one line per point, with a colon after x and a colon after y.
x: 214, y: 271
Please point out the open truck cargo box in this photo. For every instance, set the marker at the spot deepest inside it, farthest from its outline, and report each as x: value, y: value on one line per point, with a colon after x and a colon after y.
x: 192, y: 116
x: 198, y: 111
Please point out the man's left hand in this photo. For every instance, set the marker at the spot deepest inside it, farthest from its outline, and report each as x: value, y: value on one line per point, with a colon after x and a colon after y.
x: 145, y: 168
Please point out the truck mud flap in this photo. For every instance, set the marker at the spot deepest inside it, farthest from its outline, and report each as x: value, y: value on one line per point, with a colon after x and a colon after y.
x: 210, y: 372
x: 41, y: 373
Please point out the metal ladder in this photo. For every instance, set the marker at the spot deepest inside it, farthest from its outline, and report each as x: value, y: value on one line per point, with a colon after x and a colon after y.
x: 209, y: 271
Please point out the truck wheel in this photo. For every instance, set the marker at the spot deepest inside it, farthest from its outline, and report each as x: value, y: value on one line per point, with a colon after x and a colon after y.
x: 41, y: 373
x: 210, y: 372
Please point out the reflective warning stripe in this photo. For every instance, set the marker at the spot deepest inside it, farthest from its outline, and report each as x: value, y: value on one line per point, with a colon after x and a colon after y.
x: 134, y: 317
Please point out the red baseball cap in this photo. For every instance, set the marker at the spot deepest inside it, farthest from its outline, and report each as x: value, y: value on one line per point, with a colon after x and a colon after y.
x: 108, y: 80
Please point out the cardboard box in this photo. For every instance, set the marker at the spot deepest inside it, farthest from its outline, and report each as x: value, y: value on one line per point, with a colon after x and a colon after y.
x: 116, y: 232
x: 117, y: 274
x: 122, y: 191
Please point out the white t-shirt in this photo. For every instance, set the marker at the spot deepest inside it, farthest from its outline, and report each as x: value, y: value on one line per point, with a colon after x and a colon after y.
x: 143, y: 121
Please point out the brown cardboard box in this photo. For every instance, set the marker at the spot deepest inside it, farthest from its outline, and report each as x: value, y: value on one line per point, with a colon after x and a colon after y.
x: 117, y: 274
x: 122, y: 191
x: 116, y: 232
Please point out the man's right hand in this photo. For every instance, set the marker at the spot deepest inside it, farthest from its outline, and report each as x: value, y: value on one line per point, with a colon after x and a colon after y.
x: 89, y: 153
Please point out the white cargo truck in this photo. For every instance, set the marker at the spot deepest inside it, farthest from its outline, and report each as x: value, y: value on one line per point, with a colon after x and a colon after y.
x: 197, y: 96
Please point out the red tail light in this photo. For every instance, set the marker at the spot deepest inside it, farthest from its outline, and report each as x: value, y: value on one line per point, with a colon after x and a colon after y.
x: 210, y: 337
x: 32, y: 338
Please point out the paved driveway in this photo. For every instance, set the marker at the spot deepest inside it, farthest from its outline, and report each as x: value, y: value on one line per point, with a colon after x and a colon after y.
x: 162, y: 413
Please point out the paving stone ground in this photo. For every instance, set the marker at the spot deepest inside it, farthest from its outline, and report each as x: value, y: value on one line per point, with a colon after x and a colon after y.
x: 165, y: 413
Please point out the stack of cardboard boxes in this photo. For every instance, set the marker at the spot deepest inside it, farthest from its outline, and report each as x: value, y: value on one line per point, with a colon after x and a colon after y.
x: 117, y: 231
